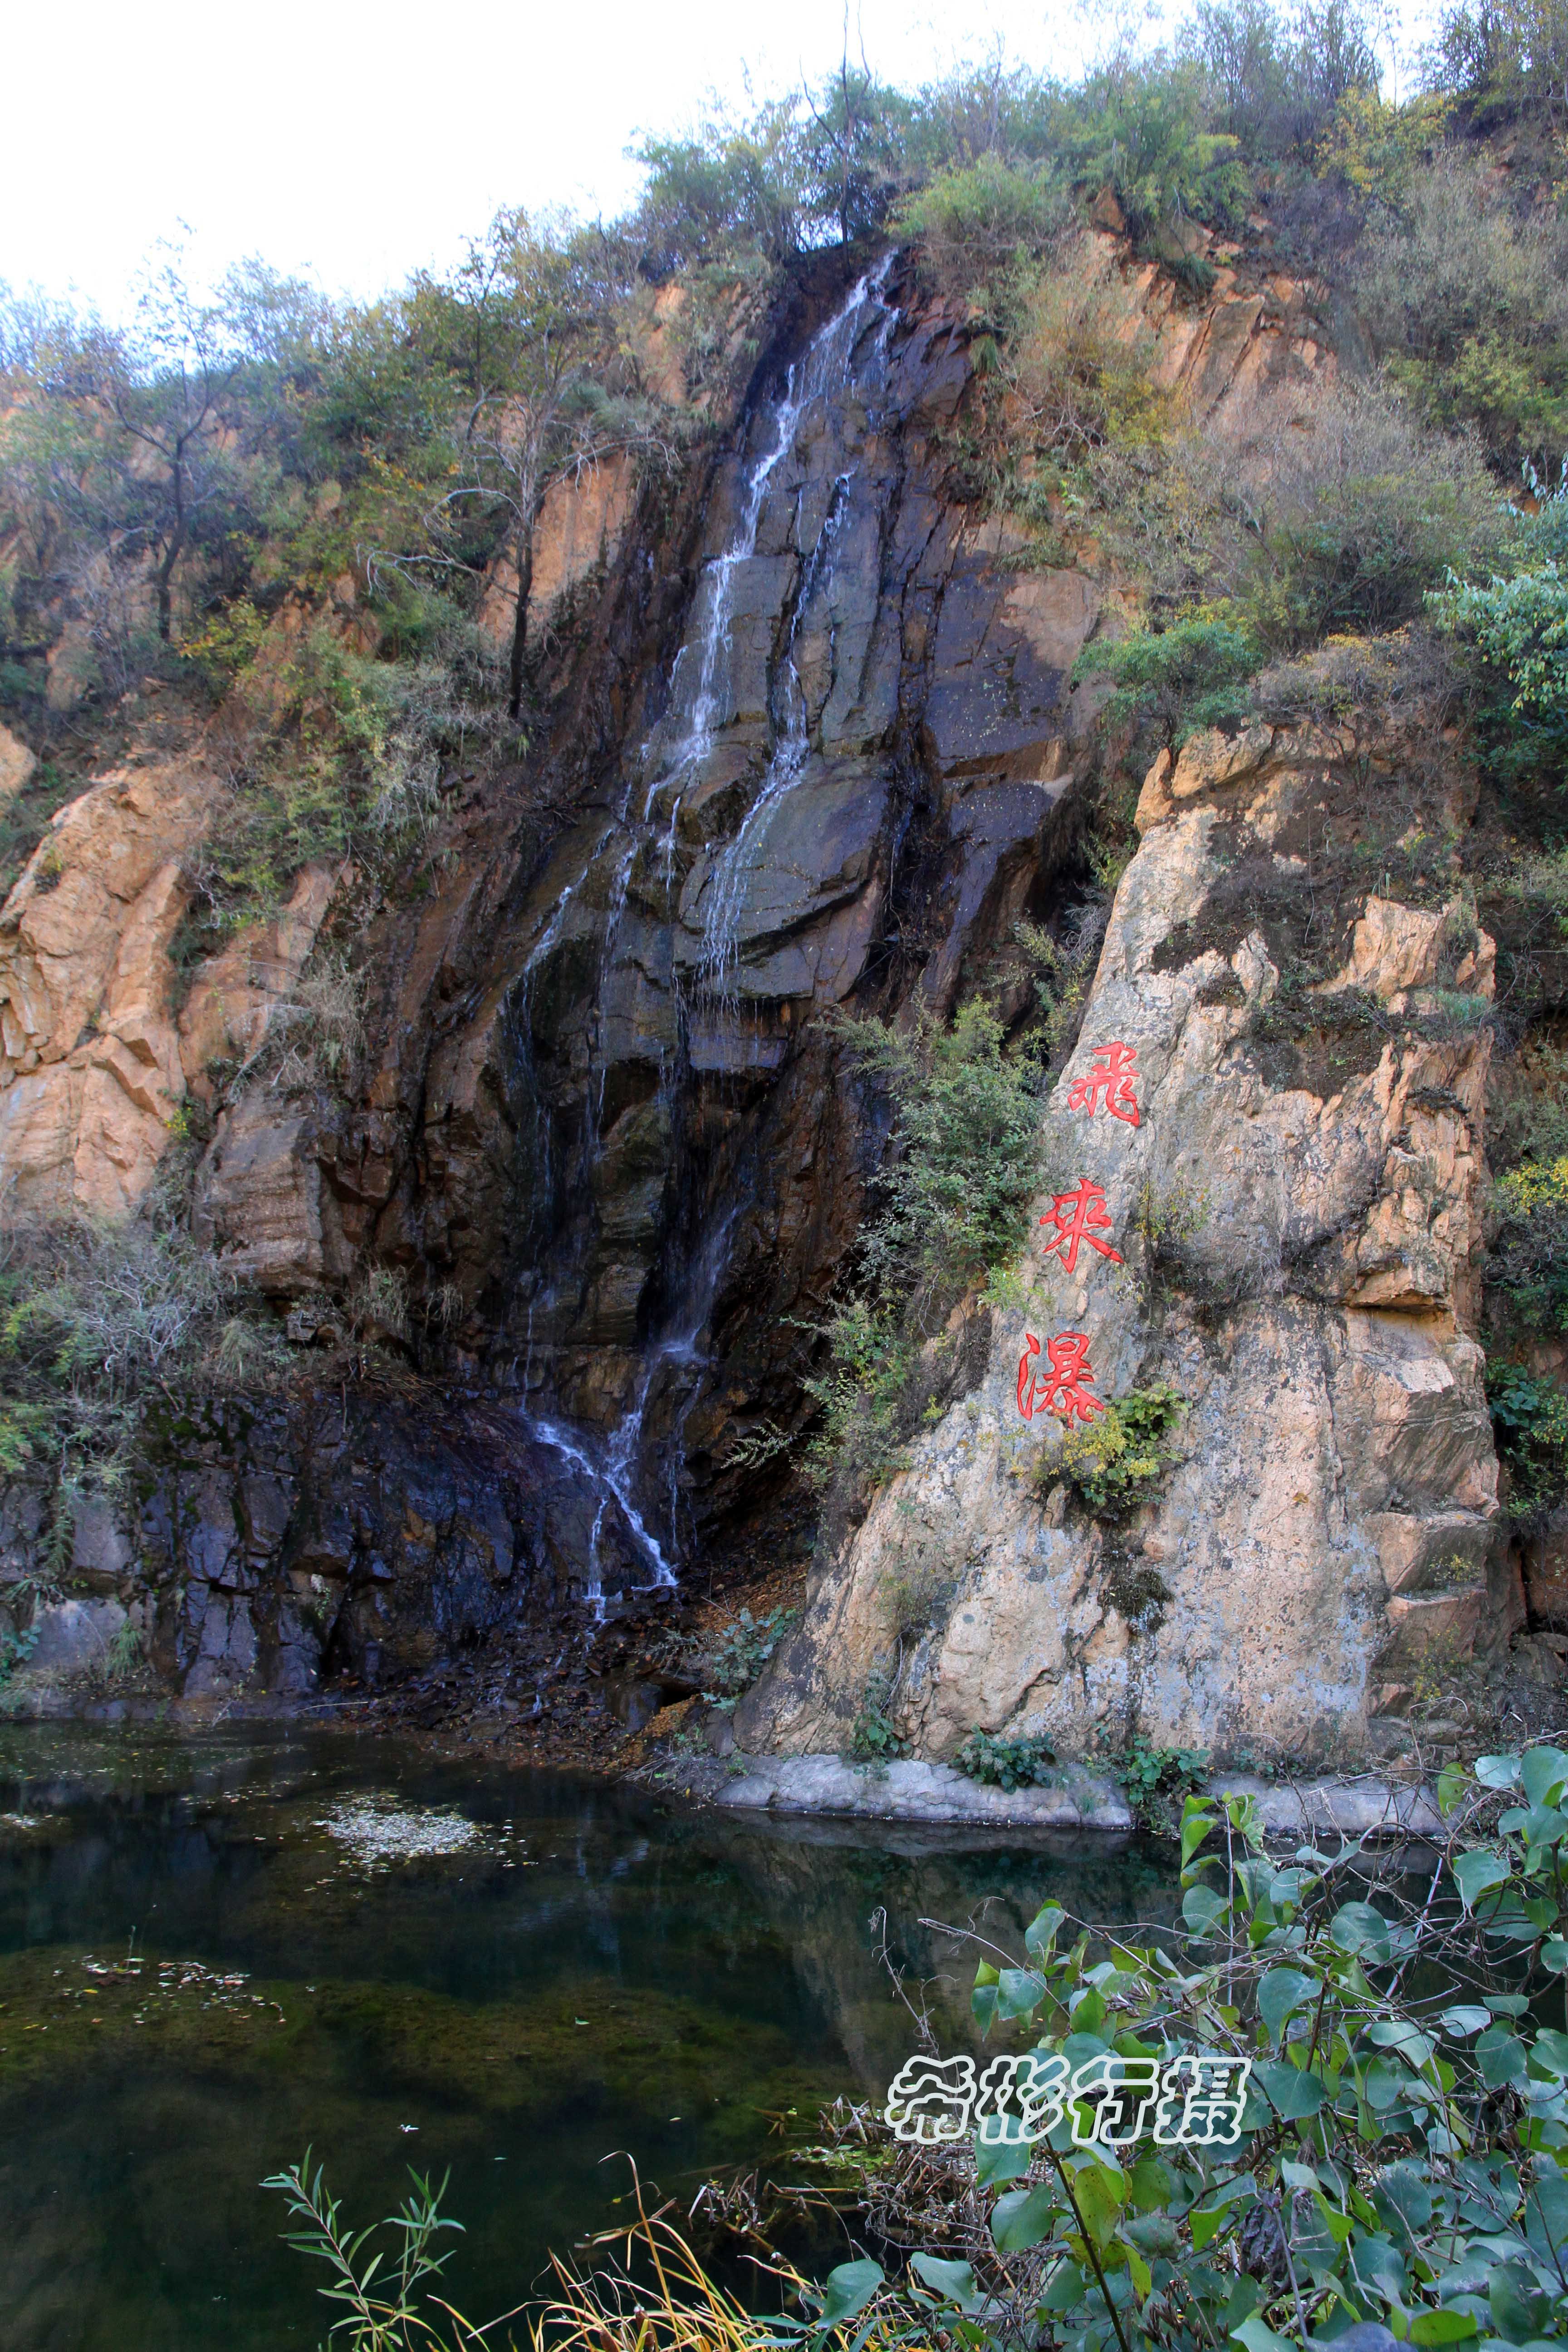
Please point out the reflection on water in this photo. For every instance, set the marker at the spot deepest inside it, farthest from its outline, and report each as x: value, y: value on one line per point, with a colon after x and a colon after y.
x: 582, y: 1970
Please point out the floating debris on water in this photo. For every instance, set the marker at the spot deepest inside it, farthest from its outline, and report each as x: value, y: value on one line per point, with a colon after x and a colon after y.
x: 377, y: 1830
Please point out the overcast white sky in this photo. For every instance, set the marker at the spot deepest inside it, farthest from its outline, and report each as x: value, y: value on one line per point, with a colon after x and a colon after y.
x: 352, y: 143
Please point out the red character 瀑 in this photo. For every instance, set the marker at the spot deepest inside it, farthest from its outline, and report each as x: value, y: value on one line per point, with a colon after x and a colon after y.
x: 1108, y: 1086
x: 1065, y: 1392
x: 1078, y: 1216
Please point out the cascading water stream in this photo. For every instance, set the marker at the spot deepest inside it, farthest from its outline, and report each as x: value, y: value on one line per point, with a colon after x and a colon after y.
x: 701, y: 699
x: 726, y: 891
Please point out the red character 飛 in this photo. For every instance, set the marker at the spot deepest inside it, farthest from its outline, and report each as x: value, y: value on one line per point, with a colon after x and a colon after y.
x: 1078, y: 1216
x: 1108, y: 1086
x: 1065, y: 1391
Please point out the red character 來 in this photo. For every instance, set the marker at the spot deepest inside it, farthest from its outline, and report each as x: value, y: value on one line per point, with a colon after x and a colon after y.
x: 1108, y: 1086
x: 1065, y: 1390
x: 1078, y: 1216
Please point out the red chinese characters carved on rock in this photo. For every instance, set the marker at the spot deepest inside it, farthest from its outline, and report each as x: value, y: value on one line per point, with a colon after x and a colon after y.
x: 1064, y: 1391
x: 1078, y: 1216
x: 1108, y: 1086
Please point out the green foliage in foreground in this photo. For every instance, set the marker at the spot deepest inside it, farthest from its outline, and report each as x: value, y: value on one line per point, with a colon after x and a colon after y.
x: 380, y: 2295
x: 1404, y: 2156
x: 1402, y: 2159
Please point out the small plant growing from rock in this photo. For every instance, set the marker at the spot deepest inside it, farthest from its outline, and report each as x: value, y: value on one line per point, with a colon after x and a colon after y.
x: 874, y: 1739
x: 1150, y: 1774
x: 742, y: 1650
x: 1117, y: 1460
x: 1005, y: 1763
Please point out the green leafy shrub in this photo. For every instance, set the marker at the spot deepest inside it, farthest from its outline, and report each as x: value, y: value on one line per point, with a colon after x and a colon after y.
x: 1150, y: 1775
x: 1192, y: 673
x: 1143, y: 136
x: 1114, y: 1461
x: 18, y: 1643
x: 1400, y: 2161
x: 743, y: 1649
x: 1362, y: 512
x: 977, y: 222
x: 874, y: 1738
x: 962, y: 1167
x: 1528, y: 1256
x: 1403, y: 2152
x: 1531, y: 1418
x: 997, y: 1763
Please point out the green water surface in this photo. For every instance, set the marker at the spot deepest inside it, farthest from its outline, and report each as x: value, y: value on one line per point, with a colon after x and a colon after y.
x: 197, y: 1978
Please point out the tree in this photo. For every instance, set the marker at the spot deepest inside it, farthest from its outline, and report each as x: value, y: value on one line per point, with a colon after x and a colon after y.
x: 122, y: 450
x: 526, y: 324
x: 171, y: 386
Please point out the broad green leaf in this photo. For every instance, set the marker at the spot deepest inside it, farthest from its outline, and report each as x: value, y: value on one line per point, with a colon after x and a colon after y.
x: 1086, y: 2010
x: 1452, y: 1781
x: 1294, y: 2093
x: 1023, y: 2218
x: 1541, y: 1826
x: 1201, y: 1907
x: 999, y: 2160
x: 1442, y: 2326
x: 1377, y: 2264
x: 1101, y: 2190
x: 1207, y: 2221
x: 1357, y: 1928
x: 1506, y: 2004
x: 1280, y: 1993
x: 1143, y: 2277
x: 1397, y: 2033
x: 1543, y: 1771
x: 1518, y: 2307
x: 1476, y: 1871
x: 1550, y: 2047
x: 1043, y: 1928
x: 1338, y: 2225
x: 848, y: 2290
x: 1198, y: 1817
x: 1463, y: 2020
x: 1065, y: 2289
x: 1402, y: 2190
x: 1497, y: 1771
x: 954, y: 2282
x: 1151, y: 2183
x: 1259, y: 2337
x: 1500, y: 2056
x: 1554, y: 1955
x: 983, y: 1999
x: 1019, y: 1992
x: 1245, y: 1818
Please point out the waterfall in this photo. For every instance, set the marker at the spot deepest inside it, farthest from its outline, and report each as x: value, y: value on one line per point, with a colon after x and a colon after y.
x: 701, y: 704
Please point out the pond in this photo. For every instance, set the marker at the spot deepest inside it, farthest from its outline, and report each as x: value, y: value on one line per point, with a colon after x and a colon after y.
x: 216, y: 1950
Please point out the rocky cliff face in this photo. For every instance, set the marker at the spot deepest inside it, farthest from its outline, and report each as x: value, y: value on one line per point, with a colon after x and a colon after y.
x: 813, y: 743
x: 1294, y: 1211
